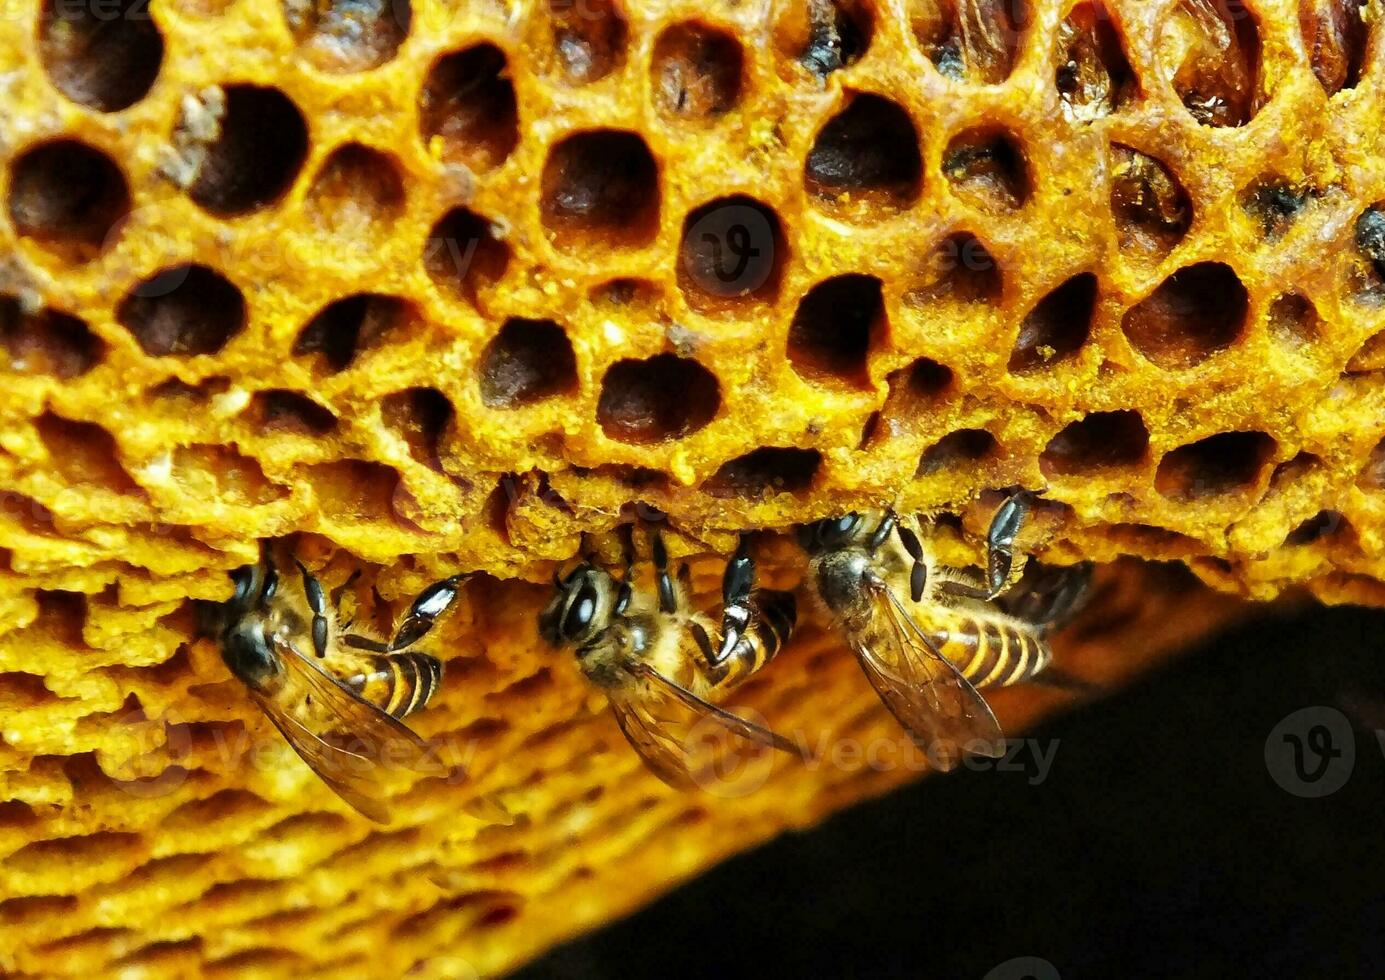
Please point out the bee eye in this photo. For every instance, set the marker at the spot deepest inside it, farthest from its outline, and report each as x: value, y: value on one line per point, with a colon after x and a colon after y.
x: 244, y: 578
x: 836, y: 533
x: 580, y: 613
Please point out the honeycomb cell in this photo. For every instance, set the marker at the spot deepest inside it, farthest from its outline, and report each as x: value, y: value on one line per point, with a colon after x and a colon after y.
x: 1337, y: 37
x: 357, y: 193
x: 467, y: 111
x: 959, y: 270
x: 1057, y: 326
x: 464, y: 256
x: 696, y: 71
x: 1210, y: 51
x: 1151, y: 208
x: 732, y: 252
x: 1293, y: 321
x: 526, y: 362
x: 280, y: 410
x: 824, y: 36
x: 834, y: 328
x: 183, y: 310
x: 957, y: 449
x: 926, y: 379
x: 46, y: 342
x: 1324, y: 525
x: 1226, y: 463
x: 1094, y: 76
x: 1099, y: 441
x: 970, y: 40
x: 1194, y: 313
x: 865, y: 159
x: 765, y: 471
x: 258, y: 152
x: 103, y: 54
x: 1275, y: 204
x: 589, y: 38
x: 987, y: 169
x: 601, y: 189
x: 343, y: 36
x: 660, y: 398
x: 347, y: 327
x: 68, y: 197
x: 84, y: 454
x: 419, y: 416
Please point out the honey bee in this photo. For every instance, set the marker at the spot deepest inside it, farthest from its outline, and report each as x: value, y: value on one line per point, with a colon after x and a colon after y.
x: 638, y: 647
x: 927, y: 635
x: 337, y: 698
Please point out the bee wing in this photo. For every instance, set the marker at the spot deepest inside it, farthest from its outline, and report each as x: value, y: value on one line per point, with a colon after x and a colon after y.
x: 1049, y: 596
x: 378, y: 743
x: 983, y: 36
x: 657, y: 717
x: 923, y: 689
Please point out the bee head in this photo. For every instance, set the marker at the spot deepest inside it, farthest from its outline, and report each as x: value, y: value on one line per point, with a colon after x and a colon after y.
x: 580, y: 608
x: 829, y: 534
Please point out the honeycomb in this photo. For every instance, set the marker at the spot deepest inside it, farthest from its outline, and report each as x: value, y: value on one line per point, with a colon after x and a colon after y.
x: 449, y: 286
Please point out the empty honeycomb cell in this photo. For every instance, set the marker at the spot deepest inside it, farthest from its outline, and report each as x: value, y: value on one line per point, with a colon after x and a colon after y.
x: 283, y: 410
x: 104, y: 54
x: 1226, y: 463
x: 182, y: 310
x: 866, y: 159
x: 1197, y: 311
x: 467, y: 108
x: 341, y: 36
x: 21, y: 692
x: 589, y: 38
x: 1293, y: 321
x: 68, y: 197
x: 696, y: 71
x: 1098, y: 441
x: 1324, y: 525
x: 1210, y: 52
x: 1057, y: 326
x: 355, y: 490
x: 732, y: 252
x: 464, y: 256
x: 834, y: 328
x: 1094, y: 77
x: 926, y: 379
x: 84, y: 453
x: 957, y: 449
x: 1275, y: 204
x: 600, y: 189
x: 1150, y: 206
x: 823, y: 36
x: 1337, y: 36
x: 347, y: 327
x: 970, y: 40
x: 526, y: 362
x: 662, y: 397
x: 46, y: 342
x: 987, y: 169
x: 358, y: 192
x: 419, y: 416
x: 258, y: 151
x: 961, y: 270
x: 220, y: 473
x: 765, y: 471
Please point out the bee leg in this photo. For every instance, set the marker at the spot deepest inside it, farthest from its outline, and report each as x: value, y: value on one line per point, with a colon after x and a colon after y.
x: 736, y: 584
x: 317, y: 603
x: 668, y: 596
x: 431, y: 603
x: 1000, y: 540
x: 918, y: 572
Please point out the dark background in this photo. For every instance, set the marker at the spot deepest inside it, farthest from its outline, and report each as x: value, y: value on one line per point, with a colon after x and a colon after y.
x: 1159, y: 845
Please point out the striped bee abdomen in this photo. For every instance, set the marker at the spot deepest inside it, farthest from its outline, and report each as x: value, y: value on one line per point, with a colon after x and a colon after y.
x: 400, y: 683
x: 992, y: 653
x: 776, y: 615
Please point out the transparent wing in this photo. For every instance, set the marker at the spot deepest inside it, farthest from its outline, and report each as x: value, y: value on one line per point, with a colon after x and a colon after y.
x: 659, y: 718
x: 356, y: 748
x: 985, y: 39
x: 939, y: 707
